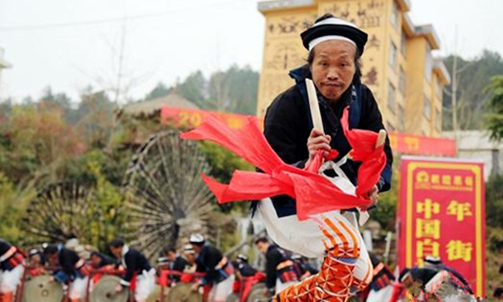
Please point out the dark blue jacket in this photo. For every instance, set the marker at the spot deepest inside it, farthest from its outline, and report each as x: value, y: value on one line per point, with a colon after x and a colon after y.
x: 288, y: 125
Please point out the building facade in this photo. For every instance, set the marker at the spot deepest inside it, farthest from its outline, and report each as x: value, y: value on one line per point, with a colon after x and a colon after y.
x: 475, y: 144
x: 398, y: 65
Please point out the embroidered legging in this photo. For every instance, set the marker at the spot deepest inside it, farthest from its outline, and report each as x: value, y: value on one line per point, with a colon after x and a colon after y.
x: 346, y: 267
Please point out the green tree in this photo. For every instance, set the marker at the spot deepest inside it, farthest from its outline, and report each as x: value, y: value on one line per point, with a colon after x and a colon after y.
x: 57, y: 101
x: 5, y: 110
x: 473, y: 76
x: 159, y: 91
x: 34, y: 140
x: 494, y: 201
x: 234, y: 90
x: 110, y: 209
x: 494, y: 115
x: 193, y: 88
x: 12, y: 206
x: 385, y: 212
x: 95, y: 118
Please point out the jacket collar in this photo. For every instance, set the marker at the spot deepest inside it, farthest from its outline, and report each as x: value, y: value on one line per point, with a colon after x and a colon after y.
x: 125, y: 250
x: 300, y: 73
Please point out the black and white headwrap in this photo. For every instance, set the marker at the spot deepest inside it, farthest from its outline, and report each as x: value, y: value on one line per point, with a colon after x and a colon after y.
x: 197, y: 239
x: 334, y: 29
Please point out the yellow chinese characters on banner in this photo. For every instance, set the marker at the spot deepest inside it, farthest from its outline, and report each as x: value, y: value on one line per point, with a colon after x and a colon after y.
x: 442, y: 213
x: 191, y: 118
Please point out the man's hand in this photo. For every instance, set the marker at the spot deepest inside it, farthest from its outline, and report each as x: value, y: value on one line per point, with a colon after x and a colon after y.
x: 373, y: 195
x: 195, y: 287
x: 268, y: 292
x: 317, y: 140
x: 51, y: 280
x: 118, y: 288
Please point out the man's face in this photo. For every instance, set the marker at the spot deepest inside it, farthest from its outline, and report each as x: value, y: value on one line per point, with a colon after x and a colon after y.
x: 262, y: 247
x: 35, y: 259
x: 333, y: 68
x: 171, y: 255
x: 95, y: 261
x: 53, y: 259
x: 191, y: 257
x: 197, y: 248
x: 116, y: 251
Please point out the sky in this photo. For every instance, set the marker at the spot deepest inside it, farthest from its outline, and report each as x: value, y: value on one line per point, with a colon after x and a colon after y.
x: 72, y: 44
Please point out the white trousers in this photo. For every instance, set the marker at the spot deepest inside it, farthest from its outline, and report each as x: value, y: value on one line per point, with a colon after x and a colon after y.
x: 9, y: 280
x: 220, y: 291
x: 145, y: 285
x: 78, y: 288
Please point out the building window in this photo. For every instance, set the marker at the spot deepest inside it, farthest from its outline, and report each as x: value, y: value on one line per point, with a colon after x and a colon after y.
x: 395, y: 15
x: 392, y: 55
x: 403, y: 44
x: 427, y: 107
x: 428, y: 66
x: 401, y: 118
x: 402, y: 81
x: 438, y: 120
x: 391, y: 97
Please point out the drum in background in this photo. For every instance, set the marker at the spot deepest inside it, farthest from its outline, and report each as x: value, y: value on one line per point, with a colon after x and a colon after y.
x: 40, y: 289
x: 182, y: 292
x: 155, y: 296
x: 257, y: 293
x: 104, y: 290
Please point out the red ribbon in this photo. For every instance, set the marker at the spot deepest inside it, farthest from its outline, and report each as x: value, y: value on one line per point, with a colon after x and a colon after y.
x: 314, y: 193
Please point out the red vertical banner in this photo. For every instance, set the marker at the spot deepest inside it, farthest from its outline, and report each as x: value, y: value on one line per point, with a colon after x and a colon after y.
x: 441, y: 213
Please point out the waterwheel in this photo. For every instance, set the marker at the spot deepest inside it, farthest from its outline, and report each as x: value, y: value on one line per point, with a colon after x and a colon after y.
x: 166, y: 197
x: 61, y: 211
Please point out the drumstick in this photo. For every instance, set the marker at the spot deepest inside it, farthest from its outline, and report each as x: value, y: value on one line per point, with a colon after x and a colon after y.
x: 313, y: 105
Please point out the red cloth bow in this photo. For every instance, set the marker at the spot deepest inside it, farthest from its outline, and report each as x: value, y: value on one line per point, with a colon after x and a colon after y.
x: 314, y: 193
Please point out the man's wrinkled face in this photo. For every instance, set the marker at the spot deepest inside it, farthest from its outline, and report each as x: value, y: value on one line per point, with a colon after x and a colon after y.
x: 333, y: 68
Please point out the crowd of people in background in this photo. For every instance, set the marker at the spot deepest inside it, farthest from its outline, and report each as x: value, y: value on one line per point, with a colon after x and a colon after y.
x: 211, y: 272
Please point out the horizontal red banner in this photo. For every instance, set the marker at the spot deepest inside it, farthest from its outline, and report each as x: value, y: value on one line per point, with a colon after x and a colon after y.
x: 401, y: 143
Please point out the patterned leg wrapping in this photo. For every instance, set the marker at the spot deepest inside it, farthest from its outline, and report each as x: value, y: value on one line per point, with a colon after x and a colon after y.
x: 331, y: 284
x: 336, y: 278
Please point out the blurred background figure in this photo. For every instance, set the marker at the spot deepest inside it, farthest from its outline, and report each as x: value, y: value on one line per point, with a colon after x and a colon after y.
x: 135, y: 264
x: 218, y: 269
x: 71, y: 270
x: 11, y: 270
x: 36, y: 263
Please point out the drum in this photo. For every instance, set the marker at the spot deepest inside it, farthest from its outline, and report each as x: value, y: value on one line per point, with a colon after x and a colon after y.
x: 104, y: 290
x: 155, y: 296
x: 182, y: 292
x: 39, y: 289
